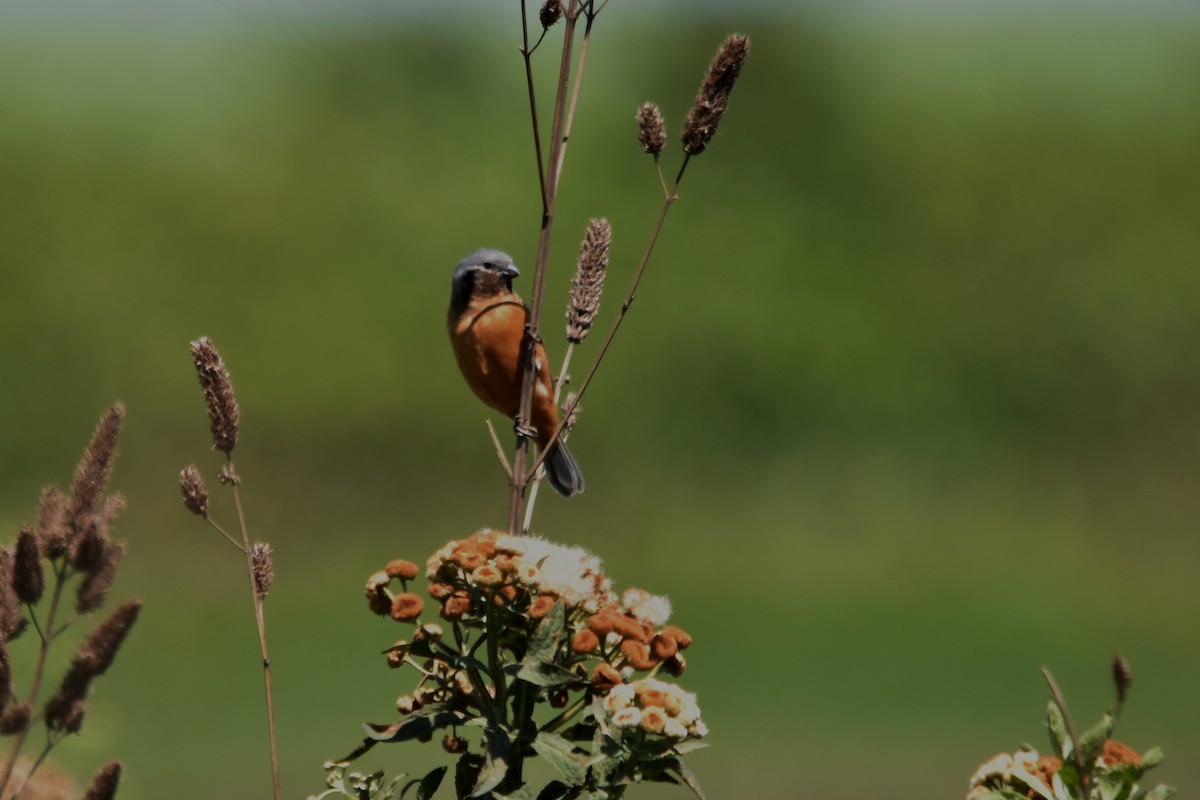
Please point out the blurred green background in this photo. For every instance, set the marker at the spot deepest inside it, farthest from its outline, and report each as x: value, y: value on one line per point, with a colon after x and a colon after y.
x: 907, y: 407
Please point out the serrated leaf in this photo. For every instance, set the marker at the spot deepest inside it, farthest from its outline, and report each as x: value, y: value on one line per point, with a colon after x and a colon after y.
x: 1060, y: 740
x: 1152, y: 758
x: 559, y: 754
x: 1091, y: 743
x: 497, y: 751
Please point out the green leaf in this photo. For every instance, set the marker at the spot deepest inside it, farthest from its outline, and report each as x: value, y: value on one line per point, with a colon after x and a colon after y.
x: 557, y: 790
x: 690, y: 746
x: 497, y: 751
x: 1091, y: 743
x: 520, y: 793
x: 1114, y: 784
x: 1152, y: 758
x: 545, y: 673
x: 689, y: 778
x: 559, y: 754
x: 429, y: 784
x: 419, y: 723
x: 1002, y: 794
x: 1160, y: 792
x: 466, y: 774
x: 544, y: 641
x: 1060, y: 740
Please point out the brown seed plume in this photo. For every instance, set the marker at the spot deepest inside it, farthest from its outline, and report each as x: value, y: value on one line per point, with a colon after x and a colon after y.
x: 713, y: 98
x: 102, y: 644
x: 260, y: 559
x: 652, y: 131
x: 94, y: 588
x: 218, y: 394
x: 104, y: 785
x: 92, y: 474
x: 588, y: 283
x: 15, y: 718
x: 27, y: 578
x: 550, y: 13
x: 11, y: 621
x: 1122, y: 675
x: 6, y: 692
x: 51, y: 526
x: 195, y: 493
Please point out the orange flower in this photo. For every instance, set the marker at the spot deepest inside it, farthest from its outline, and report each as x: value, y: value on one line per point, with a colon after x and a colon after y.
x: 487, y: 575
x: 542, y: 605
x: 468, y: 557
x: 648, y: 696
x: 399, y: 568
x: 440, y: 591
x: 602, y: 621
x: 604, y: 677
x: 407, y: 607
x: 630, y: 628
x: 654, y: 719
x: 662, y: 647
x: 675, y: 665
x: 585, y: 641
x: 638, y: 654
x: 681, y: 637
x: 455, y: 606
x: 453, y: 744
x: 1118, y: 753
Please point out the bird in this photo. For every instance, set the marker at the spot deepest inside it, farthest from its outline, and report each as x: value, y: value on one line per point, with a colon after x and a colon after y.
x: 486, y: 322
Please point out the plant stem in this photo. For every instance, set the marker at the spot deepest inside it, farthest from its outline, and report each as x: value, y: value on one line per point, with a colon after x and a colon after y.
x: 1057, y: 695
x: 538, y: 474
x: 669, y: 199
x: 527, y: 53
x: 532, y: 337
x: 34, y: 766
x: 262, y: 639
x: 39, y: 673
x: 224, y: 533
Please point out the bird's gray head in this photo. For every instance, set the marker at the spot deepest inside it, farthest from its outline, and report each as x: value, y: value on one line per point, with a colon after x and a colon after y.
x: 486, y: 269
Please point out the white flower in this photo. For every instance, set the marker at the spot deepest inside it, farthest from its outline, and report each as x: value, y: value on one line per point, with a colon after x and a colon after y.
x: 650, y: 608
x: 998, y: 766
x: 619, y: 697
x: 674, y: 729
x: 572, y: 573
x: 627, y: 718
x: 698, y: 729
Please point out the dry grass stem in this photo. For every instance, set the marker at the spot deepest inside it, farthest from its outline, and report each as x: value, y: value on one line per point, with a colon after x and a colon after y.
x: 713, y: 98
x: 218, y: 394
x: 499, y: 449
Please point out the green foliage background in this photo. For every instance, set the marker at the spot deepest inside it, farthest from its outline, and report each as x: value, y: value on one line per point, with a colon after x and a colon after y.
x: 906, y: 409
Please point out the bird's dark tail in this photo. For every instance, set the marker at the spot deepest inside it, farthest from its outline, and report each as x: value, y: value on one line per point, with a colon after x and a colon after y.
x: 562, y: 471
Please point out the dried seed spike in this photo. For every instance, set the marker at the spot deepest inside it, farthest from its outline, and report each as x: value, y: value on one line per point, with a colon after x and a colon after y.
x: 11, y: 621
x: 195, y: 493
x: 260, y: 559
x: 102, y: 644
x: 573, y: 417
x: 51, y: 524
x: 550, y: 13
x: 27, y: 578
x: 218, y: 394
x: 87, y: 550
x: 94, y: 588
x: 15, y: 719
x: 104, y: 785
x: 1122, y: 675
x: 74, y: 688
x: 652, y: 131
x: 5, y: 675
x: 95, y: 467
x: 588, y: 283
x: 713, y: 98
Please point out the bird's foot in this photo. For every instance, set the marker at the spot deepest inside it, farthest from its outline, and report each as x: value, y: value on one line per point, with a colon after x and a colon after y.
x: 524, y: 431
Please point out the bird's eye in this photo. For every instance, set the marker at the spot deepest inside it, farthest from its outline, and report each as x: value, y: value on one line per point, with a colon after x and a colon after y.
x: 489, y: 265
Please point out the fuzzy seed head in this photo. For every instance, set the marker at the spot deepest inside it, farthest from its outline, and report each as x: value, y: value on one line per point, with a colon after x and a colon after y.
x: 713, y: 98
x: 218, y: 394
x: 261, y: 569
x: 28, y: 580
x: 1122, y: 676
x: 102, y: 644
x: 95, y: 467
x: 588, y: 283
x: 94, y: 588
x: 195, y: 493
x: 652, y: 131
x: 15, y: 718
x: 550, y: 13
x: 104, y: 785
x: 51, y: 527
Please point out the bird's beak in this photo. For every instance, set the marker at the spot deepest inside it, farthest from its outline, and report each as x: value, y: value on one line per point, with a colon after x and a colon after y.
x: 510, y: 271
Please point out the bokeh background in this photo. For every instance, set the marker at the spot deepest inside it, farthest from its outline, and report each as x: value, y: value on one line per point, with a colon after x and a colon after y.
x: 908, y: 406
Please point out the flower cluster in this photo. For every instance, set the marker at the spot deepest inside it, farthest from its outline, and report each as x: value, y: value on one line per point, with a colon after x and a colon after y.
x: 533, y: 646
x: 1031, y: 775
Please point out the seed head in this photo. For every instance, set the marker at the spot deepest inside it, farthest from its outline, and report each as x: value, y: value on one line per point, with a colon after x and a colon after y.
x: 550, y: 13
x: 51, y: 527
x: 102, y: 644
x: 28, y: 580
x: 713, y: 98
x: 104, y: 785
x: 95, y: 467
x: 652, y: 131
x: 95, y: 585
x: 260, y: 562
x: 218, y: 394
x: 588, y: 283
x: 15, y: 718
x: 1122, y: 676
x: 195, y: 493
